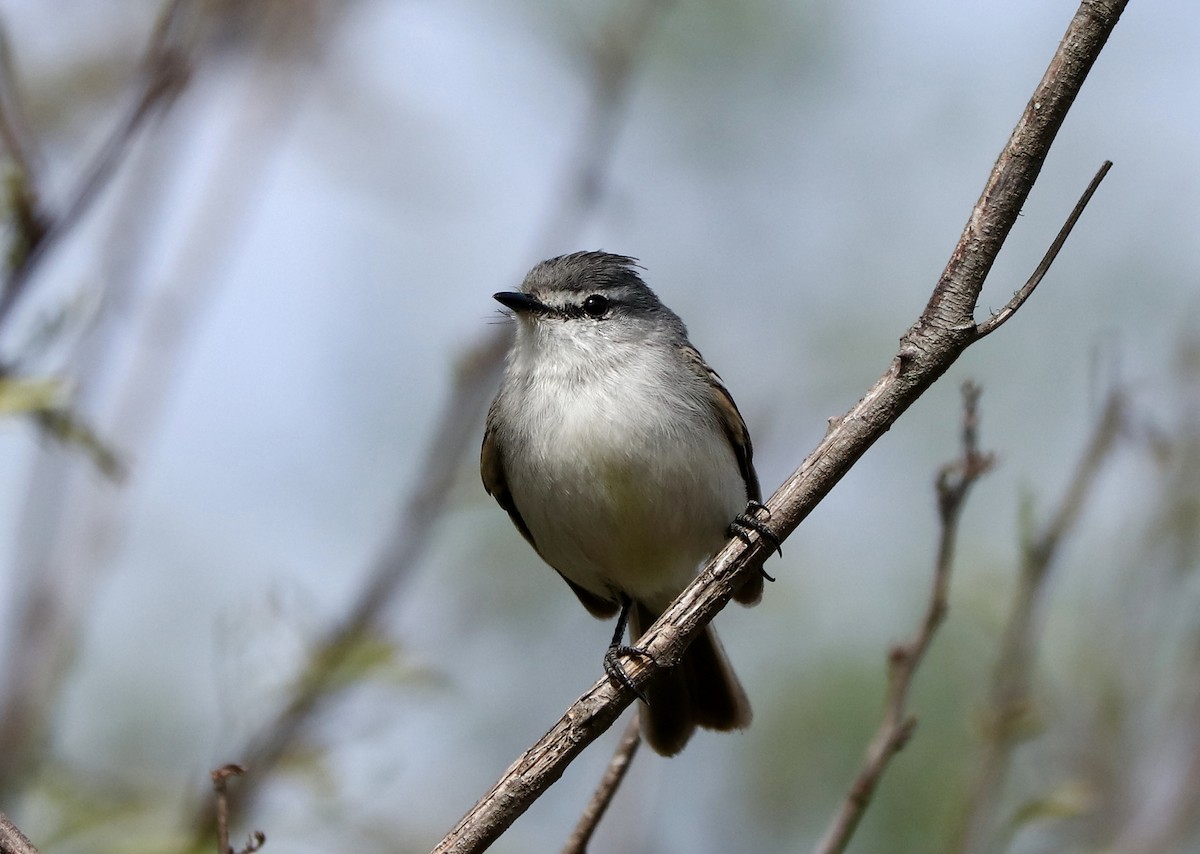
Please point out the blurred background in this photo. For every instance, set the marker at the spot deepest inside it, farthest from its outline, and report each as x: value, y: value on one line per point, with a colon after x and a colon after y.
x: 245, y: 380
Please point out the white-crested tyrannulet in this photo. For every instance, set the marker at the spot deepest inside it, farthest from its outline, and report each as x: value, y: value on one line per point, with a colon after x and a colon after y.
x: 622, y: 459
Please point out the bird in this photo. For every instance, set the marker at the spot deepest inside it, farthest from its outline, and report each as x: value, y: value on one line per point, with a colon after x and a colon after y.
x: 621, y: 457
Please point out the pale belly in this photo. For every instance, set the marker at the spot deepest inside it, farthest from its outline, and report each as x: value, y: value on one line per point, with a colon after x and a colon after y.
x: 622, y: 510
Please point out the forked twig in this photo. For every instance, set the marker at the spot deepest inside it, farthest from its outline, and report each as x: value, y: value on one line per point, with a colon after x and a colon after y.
x: 954, y: 482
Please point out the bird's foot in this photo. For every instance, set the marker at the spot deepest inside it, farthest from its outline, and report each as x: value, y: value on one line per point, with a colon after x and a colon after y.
x: 744, y: 523
x: 616, y: 670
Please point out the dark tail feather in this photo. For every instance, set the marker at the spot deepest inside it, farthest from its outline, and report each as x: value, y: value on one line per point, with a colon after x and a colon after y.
x: 751, y: 592
x: 702, y: 690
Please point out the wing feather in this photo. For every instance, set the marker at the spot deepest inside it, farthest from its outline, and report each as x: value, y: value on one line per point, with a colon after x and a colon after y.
x: 734, y: 427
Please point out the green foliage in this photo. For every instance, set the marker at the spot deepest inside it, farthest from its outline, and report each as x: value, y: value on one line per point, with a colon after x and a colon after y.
x: 29, y: 396
x: 28, y: 226
x: 68, y: 428
x: 365, y: 656
x: 43, y: 400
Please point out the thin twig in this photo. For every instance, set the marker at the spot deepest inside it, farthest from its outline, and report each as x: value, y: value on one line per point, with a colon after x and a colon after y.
x: 609, y: 783
x: 12, y: 840
x: 220, y: 781
x: 1018, y: 299
x: 944, y: 330
x: 954, y: 482
x: 1009, y: 698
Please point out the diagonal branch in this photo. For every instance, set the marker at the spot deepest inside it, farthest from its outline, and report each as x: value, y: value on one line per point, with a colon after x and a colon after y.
x: 944, y: 330
x: 12, y: 840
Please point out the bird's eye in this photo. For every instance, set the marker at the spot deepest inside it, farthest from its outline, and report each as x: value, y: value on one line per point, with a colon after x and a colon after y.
x: 595, y: 305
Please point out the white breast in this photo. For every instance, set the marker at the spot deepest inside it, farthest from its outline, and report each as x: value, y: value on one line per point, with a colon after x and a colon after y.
x: 621, y: 471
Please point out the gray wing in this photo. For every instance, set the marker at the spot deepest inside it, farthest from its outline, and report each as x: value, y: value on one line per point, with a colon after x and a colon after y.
x: 495, y: 483
x: 731, y: 422
x: 734, y: 426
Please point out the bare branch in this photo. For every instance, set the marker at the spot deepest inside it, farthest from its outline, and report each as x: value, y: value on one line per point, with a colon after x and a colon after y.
x: 609, y: 783
x: 998, y: 318
x: 945, y: 328
x: 1009, y: 699
x: 12, y: 840
x: 954, y: 482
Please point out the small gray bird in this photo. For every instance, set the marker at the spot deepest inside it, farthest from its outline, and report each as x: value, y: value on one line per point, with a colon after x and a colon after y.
x: 621, y: 457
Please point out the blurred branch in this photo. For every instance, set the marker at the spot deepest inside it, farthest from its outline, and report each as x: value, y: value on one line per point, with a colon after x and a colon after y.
x: 614, y: 59
x: 943, y: 331
x: 30, y: 221
x: 476, y: 374
x: 954, y: 482
x: 72, y: 522
x: 51, y: 597
x: 166, y: 67
x: 1164, y: 818
x: 400, y: 553
x: 15, y: 130
x: 609, y: 783
x: 12, y: 840
x: 1010, y: 701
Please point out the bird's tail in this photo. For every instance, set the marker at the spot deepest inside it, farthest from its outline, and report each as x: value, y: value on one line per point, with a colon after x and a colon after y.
x: 702, y: 690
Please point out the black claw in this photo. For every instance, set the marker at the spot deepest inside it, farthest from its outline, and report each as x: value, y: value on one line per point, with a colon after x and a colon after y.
x: 616, y: 672
x: 612, y: 656
x: 744, y: 523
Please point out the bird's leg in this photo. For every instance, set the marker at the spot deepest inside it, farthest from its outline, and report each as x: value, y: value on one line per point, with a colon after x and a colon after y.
x: 747, y: 521
x: 612, y: 656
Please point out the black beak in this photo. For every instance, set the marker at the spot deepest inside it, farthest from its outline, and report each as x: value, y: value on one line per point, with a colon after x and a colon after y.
x: 519, y: 302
